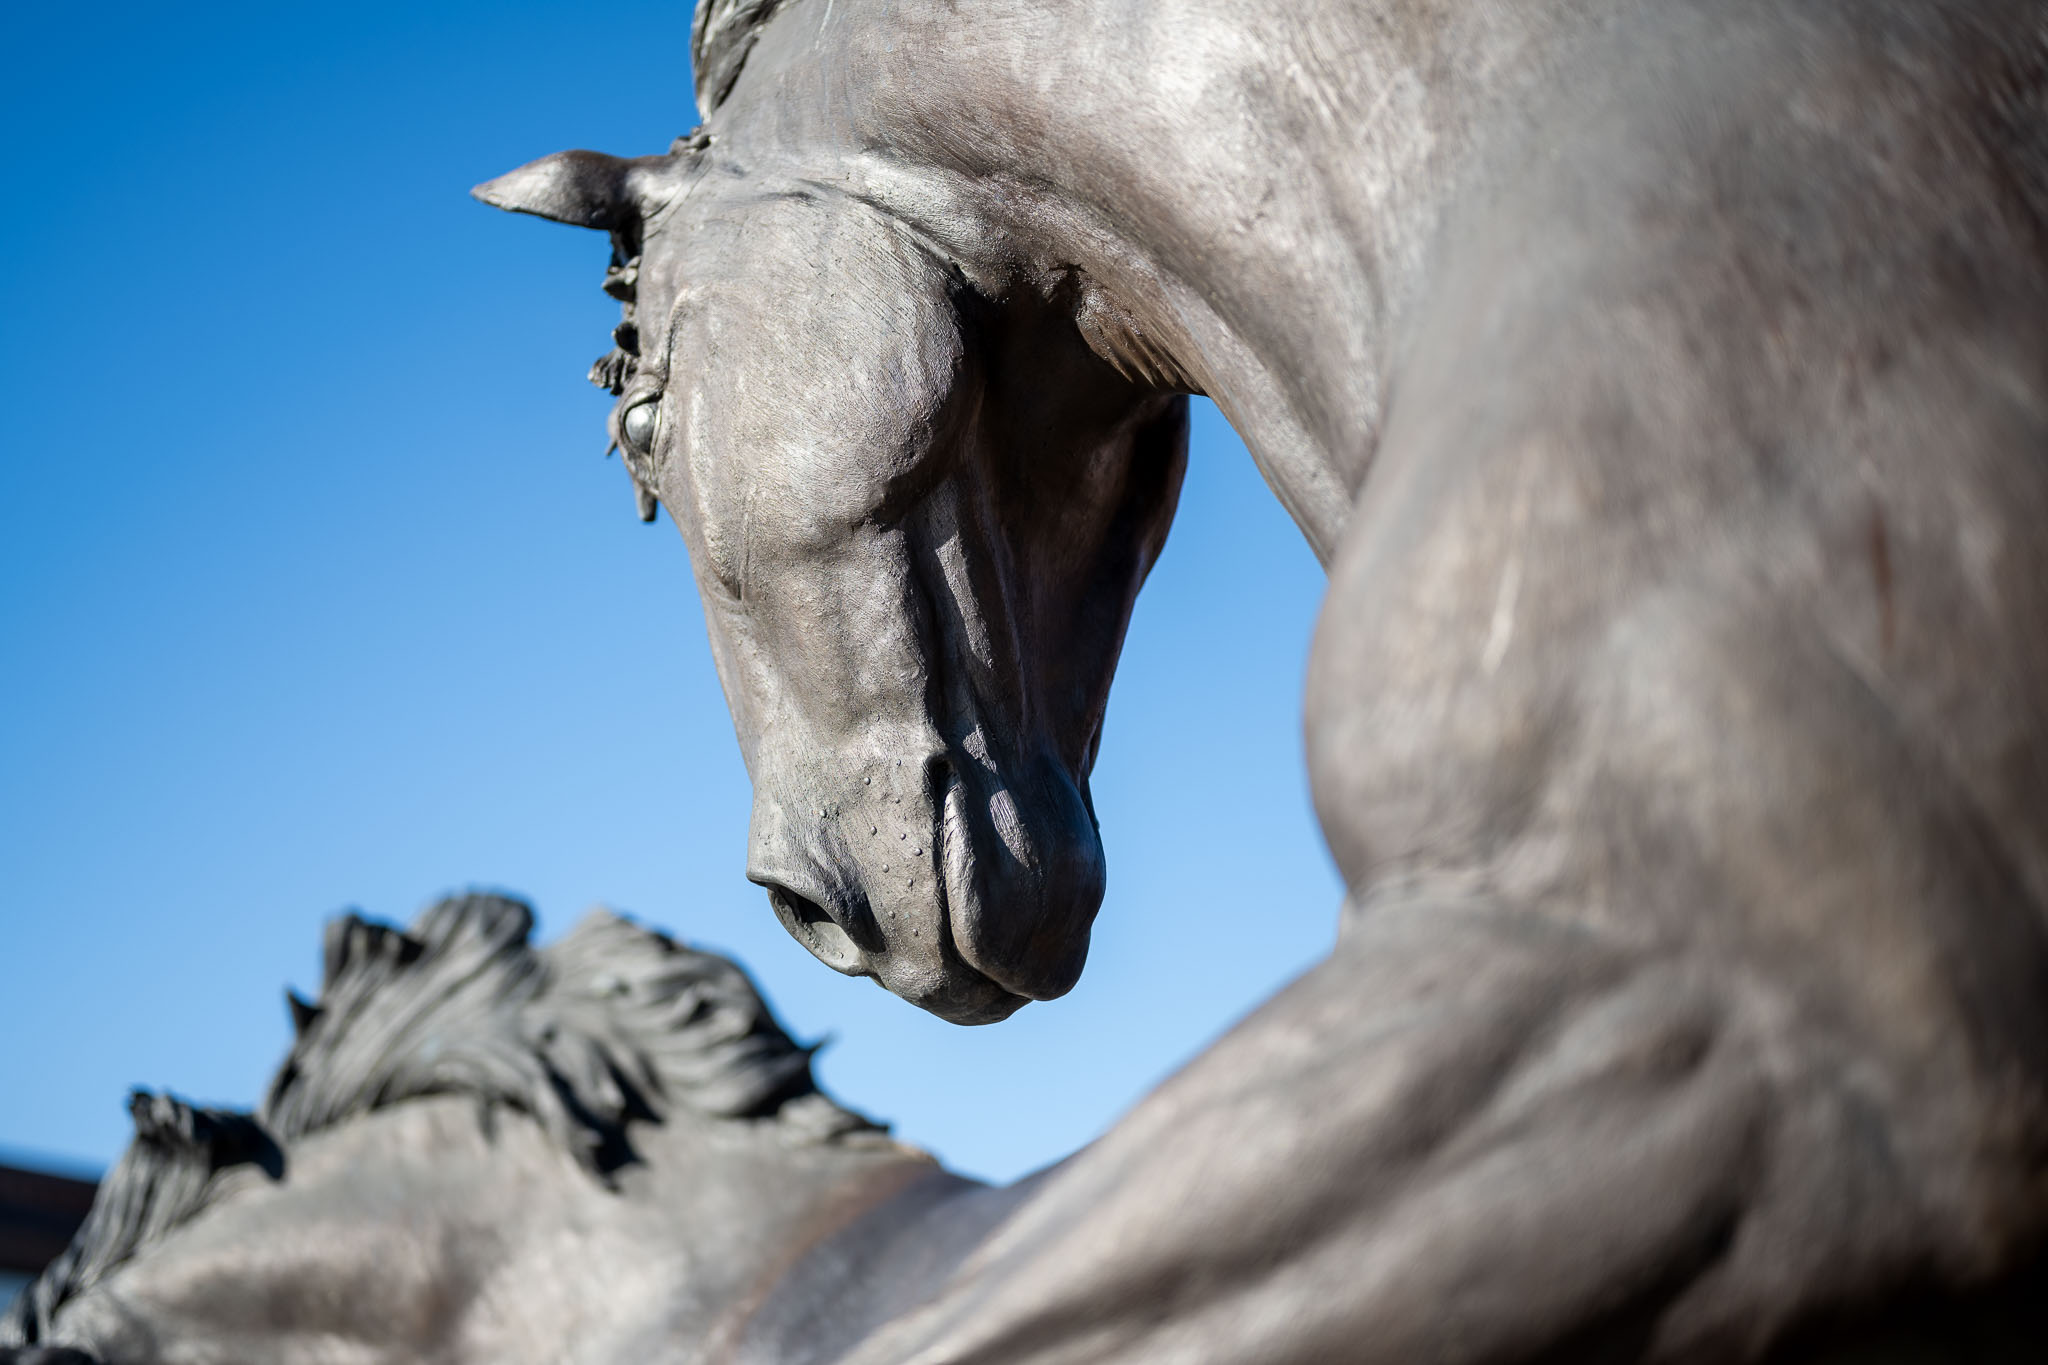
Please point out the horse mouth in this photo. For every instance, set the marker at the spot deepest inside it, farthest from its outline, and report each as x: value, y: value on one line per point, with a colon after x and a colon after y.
x: 971, y: 998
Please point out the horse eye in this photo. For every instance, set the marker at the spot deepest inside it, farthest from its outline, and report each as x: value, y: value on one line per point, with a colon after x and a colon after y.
x: 636, y: 429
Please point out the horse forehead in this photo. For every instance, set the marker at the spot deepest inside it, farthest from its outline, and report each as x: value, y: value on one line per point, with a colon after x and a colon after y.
x: 792, y: 224
x: 872, y: 335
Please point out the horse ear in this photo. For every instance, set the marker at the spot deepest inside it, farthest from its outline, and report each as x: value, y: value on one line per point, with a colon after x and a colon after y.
x: 584, y: 189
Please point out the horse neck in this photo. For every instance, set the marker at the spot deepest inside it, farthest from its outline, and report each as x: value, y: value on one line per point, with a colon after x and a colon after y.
x: 1254, y: 189
x: 688, y: 1242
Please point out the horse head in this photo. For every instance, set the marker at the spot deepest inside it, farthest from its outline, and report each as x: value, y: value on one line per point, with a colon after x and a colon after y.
x: 919, y: 508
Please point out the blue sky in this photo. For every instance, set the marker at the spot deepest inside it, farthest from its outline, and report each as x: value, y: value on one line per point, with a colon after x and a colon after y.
x: 316, y: 593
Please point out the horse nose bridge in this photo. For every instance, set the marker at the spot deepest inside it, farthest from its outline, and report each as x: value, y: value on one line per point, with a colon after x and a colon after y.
x: 965, y: 574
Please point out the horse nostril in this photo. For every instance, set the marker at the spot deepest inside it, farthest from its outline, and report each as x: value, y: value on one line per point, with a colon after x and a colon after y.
x: 809, y: 925
x: 939, y: 777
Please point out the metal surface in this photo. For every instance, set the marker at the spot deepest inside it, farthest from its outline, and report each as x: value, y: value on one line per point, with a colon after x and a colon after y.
x: 1666, y: 386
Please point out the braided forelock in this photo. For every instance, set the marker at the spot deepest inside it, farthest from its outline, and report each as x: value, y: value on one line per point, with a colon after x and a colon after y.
x: 720, y: 39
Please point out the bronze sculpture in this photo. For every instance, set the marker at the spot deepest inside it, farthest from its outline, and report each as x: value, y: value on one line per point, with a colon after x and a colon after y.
x: 1667, y: 388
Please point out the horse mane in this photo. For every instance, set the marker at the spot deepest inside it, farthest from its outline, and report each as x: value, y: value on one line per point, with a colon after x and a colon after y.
x: 611, y: 1023
x: 159, y: 1182
x: 721, y: 36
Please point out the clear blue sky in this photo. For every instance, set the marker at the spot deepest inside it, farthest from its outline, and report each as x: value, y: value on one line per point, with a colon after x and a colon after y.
x: 315, y: 592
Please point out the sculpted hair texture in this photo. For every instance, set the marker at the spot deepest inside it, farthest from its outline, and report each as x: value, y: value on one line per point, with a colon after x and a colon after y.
x: 612, y: 1023
x: 721, y: 36
x: 159, y: 1182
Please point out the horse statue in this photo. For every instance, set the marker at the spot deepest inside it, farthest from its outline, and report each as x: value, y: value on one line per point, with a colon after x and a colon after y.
x: 1665, y: 386
x: 601, y: 1151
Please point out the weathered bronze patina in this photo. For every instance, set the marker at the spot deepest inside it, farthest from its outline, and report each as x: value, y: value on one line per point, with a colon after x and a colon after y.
x: 1665, y: 385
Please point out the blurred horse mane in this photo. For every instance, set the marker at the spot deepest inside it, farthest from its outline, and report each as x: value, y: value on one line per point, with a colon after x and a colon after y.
x: 610, y: 1024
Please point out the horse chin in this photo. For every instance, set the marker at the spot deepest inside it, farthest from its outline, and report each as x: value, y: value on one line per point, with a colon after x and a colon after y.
x: 965, y: 996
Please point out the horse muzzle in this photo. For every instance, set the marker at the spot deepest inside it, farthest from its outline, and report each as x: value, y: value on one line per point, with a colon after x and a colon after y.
x: 951, y: 892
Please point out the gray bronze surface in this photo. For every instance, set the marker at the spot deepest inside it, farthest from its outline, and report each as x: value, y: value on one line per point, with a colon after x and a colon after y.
x: 605, y: 1150
x: 1666, y: 386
